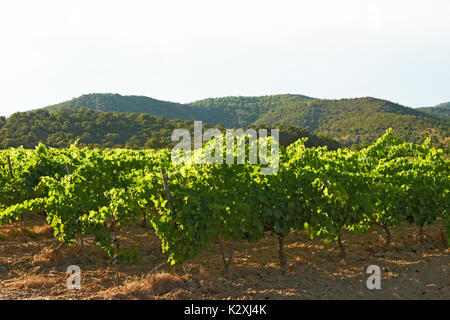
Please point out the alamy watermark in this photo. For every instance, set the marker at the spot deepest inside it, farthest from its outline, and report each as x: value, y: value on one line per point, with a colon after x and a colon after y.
x: 374, y: 281
x: 234, y: 141
x: 74, y: 280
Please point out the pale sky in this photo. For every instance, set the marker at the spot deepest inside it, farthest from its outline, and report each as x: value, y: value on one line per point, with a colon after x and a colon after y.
x: 179, y: 50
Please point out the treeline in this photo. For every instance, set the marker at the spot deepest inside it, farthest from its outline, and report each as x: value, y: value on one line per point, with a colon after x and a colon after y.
x: 135, y: 104
x: 349, y: 121
x: 243, y: 111
x: 112, y: 130
x: 441, y: 111
x: 290, y: 134
x: 92, y: 128
x: 362, y: 120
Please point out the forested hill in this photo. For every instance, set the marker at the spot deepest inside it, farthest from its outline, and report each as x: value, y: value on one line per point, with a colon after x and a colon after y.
x: 136, y: 104
x: 111, y: 129
x: 350, y: 121
x: 441, y: 111
x: 359, y: 120
x: 94, y: 128
x: 244, y: 111
x: 445, y: 104
x: 230, y: 111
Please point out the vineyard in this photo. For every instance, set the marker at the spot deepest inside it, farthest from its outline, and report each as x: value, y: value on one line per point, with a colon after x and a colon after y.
x: 98, y: 192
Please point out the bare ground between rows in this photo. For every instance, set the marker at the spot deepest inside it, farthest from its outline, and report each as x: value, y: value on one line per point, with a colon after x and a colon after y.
x: 33, y: 266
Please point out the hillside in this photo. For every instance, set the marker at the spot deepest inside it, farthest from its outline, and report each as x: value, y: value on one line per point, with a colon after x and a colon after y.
x: 359, y: 120
x: 93, y: 128
x: 243, y: 111
x: 136, y: 104
x: 441, y: 111
x: 350, y: 121
x: 445, y: 104
x: 111, y: 129
x: 229, y: 111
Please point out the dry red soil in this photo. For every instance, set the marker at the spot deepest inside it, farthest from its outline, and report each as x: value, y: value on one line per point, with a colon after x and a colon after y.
x: 33, y: 266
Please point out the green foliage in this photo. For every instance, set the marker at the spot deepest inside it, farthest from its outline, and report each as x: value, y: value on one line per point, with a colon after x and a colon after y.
x: 361, y: 120
x: 290, y: 134
x: 441, y: 111
x: 350, y: 121
x: 320, y: 190
x: 135, y: 104
x: 91, y: 128
x: 242, y: 111
x: 2, y: 121
x: 110, y: 130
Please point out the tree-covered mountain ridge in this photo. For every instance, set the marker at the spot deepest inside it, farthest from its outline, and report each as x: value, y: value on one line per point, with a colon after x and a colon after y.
x: 104, y: 129
x: 350, y: 121
x: 441, y: 111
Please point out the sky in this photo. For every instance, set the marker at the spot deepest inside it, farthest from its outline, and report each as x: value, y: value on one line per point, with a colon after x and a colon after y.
x: 182, y: 51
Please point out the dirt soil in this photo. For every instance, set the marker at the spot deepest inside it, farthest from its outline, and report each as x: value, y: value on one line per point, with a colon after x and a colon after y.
x: 33, y: 266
